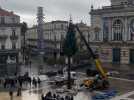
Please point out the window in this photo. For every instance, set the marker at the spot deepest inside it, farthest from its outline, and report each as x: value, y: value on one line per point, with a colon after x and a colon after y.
x: 97, y: 36
x: 13, y: 20
x: 13, y: 32
x: 132, y: 30
x: 117, y: 30
x: 62, y: 27
x: 105, y: 29
x: 2, y: 47
x: 2, y: 20
x: 13, y: 46
x: 97, y: 31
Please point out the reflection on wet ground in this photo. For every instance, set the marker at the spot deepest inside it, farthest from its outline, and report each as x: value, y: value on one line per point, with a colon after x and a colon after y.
x: 122, y: 86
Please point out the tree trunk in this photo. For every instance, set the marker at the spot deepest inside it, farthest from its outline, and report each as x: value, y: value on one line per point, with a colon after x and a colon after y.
x: 69, y: 77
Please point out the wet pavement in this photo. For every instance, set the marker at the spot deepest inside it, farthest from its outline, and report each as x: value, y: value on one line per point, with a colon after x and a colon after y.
x: 122, y: 86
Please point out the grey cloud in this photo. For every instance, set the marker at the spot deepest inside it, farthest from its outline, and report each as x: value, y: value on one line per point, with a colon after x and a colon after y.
x: 57, y: 9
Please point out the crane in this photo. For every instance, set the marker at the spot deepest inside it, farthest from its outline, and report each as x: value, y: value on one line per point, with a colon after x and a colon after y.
x: 104, y: 78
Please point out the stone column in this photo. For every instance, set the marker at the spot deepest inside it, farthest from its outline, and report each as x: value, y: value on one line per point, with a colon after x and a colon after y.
x: 129, y: 33
x: 101, y: 32
x: 110, y: 34
x: 125, y: 35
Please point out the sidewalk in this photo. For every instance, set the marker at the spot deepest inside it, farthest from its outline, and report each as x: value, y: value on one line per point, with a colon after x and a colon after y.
x: 127, y: 96
x: 25, y: 96
x: 125, y: 71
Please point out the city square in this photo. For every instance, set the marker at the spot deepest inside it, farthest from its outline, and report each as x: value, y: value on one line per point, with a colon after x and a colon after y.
x: 49, y: 55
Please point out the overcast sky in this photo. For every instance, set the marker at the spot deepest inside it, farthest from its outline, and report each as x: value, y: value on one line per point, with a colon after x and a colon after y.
x: 53, y: 9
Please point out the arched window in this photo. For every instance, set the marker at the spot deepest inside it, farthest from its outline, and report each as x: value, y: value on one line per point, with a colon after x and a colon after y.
x: 117, y: 30
x: 97, y: 31
x: 132, y: 30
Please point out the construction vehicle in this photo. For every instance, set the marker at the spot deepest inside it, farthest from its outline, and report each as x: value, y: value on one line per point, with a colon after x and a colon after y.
x: 101, y: 80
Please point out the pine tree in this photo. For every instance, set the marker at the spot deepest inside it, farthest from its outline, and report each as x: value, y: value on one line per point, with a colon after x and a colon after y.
x: 70, y: 48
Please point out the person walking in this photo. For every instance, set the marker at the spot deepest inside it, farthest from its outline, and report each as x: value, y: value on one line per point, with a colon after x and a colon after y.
x: 42, y: 97
x: 71, y: 98
x: 19, y: 89
x: 39, y: 81
x: 34, y: 82
x: 11, y: 94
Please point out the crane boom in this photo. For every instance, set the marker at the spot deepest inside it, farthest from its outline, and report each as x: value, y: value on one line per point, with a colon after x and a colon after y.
x: 96, y: 59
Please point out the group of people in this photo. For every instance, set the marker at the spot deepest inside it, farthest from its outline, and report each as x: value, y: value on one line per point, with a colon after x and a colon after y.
x: 20, y: 81
x: 50, y: 96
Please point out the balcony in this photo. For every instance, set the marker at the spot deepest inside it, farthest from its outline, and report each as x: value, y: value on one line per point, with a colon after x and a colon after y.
x: 13, y: 37
x: 7, y: 51
x: 3, y: 37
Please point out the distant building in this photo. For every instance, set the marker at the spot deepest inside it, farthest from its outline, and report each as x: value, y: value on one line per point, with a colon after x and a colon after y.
x: 87, y: 32
x: 10, y: 41
x: 54, y: 34
x: 114, y: 31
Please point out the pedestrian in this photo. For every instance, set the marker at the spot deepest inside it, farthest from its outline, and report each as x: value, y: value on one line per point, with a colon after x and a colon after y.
x: 34, y: 82
x: 50, y: 96
x: 42, y: 97
x: 5, y: 83
x: 58, y: 97
x: 11, y: 94
x: 38, y: 80
x: 19, y: 89
x: 29, y: 81
x: 54, y: 95
x: 12, y: 83
x: 71, y: 98
x: 62, y: 98
x: 67, y: 98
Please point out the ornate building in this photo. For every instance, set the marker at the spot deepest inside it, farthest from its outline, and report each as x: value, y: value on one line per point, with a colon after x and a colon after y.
x: 54, y: 34
x: 10, y: 42
x: 114, y: 35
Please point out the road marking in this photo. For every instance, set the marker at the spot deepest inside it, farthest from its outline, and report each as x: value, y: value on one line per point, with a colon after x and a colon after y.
x: 124, y: 96
x: 122, y: 79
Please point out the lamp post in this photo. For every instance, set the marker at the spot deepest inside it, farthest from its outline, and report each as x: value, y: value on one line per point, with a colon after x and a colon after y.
x: 30, y: 62
x: 23, y: 31
x: 55, y: 54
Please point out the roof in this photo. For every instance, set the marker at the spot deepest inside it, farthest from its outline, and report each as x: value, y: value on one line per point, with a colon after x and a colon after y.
x: 59, y: 21
x: 112, y: 9
x: 4, y: 12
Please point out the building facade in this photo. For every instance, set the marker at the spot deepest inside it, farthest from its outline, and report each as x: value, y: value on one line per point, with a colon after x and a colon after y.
x: 114, y: 31
x: 10, y: 42
x: 54, y: 34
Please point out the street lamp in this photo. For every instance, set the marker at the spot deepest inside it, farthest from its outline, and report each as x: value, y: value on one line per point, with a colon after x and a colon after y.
x: 55, y: 53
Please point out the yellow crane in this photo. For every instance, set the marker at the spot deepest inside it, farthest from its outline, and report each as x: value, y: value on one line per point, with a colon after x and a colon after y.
x: 103, y: 80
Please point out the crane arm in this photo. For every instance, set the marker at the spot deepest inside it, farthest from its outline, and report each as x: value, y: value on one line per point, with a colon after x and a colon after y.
x: 97, y: 60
